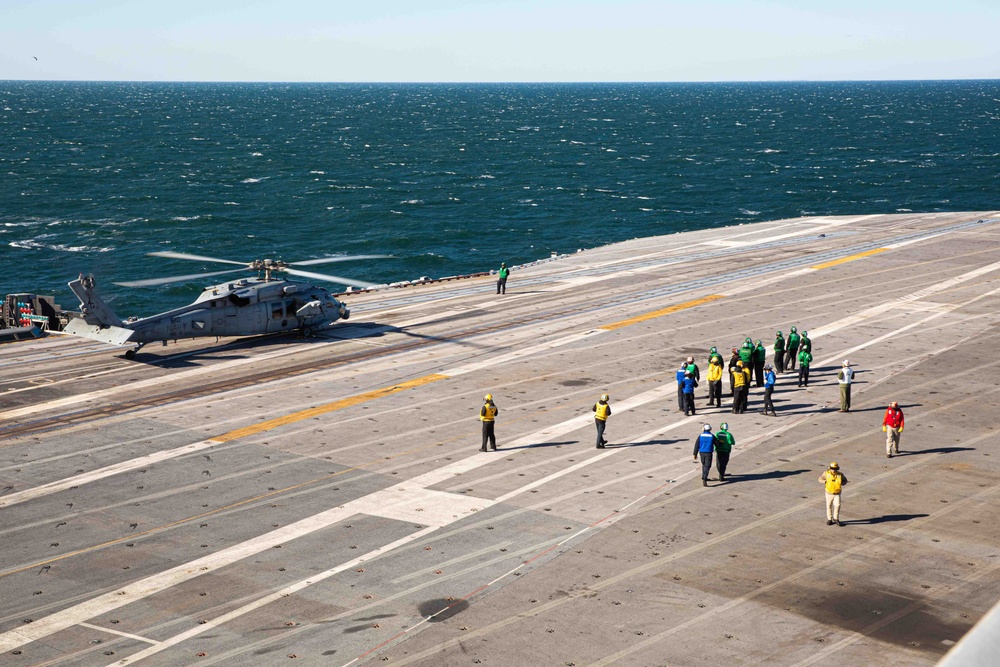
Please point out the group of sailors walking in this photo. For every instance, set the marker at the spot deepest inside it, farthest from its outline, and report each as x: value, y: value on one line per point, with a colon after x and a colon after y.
x: 748, y: 364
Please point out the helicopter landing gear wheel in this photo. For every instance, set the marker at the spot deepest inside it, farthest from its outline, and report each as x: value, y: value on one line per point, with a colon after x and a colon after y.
x: 307, y: 332
x: 130, y: 354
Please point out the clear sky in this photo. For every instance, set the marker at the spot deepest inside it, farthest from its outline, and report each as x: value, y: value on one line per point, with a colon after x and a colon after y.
x: 499, y: 40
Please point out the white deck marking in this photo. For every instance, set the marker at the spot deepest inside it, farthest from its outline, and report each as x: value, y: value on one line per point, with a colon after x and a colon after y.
x: 146, y: 640
x: 273, y: 597
x: 407, y: 501
x: 893, y: 246
x: 902, y: 302
x: 402, y: 502
x: 943, y: 310
x: 458, y: 468
x: 142, y: 384
x: 727, y: 243
x: 555, y: 475
x: 493, y: 360
x: 183, y: 375
x: 125, y: 466
x: 101, y: 473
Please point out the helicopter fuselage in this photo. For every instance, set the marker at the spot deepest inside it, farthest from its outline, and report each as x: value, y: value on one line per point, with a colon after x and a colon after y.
x: 245, y: 307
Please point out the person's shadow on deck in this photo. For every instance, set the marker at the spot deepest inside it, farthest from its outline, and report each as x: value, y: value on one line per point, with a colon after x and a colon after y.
x: 733, y: 477
x: 885, y: 519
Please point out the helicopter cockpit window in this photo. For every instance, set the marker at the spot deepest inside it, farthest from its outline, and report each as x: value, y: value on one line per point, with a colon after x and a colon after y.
x: 277, y: 311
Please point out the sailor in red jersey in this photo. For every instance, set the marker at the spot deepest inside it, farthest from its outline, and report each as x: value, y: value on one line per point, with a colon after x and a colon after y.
x: 892, y: 426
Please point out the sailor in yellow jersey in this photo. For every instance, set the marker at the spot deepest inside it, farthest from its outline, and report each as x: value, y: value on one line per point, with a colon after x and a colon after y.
x: 601, y: 411
x: 488, y: 416
x: 834, y: 481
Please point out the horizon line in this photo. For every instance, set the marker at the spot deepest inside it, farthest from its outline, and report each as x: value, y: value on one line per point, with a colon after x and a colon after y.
x: 505, y: 82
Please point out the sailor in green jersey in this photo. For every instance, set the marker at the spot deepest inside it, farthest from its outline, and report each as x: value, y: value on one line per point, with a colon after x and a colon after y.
x: 793, y: 349
x: 779, y: 352
x: 804, y: 360
x: 746, y: 356
x: 759, y: 359
x: 502, y: 278
x: 713, y: 354
x: 805, y: 343
x: 724, y: 442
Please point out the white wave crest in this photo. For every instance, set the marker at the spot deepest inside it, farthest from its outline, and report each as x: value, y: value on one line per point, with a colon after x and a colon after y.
x: 32, y: 244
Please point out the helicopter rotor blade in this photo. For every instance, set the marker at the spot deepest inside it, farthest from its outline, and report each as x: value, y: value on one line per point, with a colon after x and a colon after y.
x: 344, y: 258
x: 197, y: 258
x: 175, y: 279
x: 329, y: 278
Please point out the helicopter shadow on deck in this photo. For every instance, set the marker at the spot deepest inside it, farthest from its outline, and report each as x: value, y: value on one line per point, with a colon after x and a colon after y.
x: 376, y: 330
x: 215, y: 352
x: 234, y: 349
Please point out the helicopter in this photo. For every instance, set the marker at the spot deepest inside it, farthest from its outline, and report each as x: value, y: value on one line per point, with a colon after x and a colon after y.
x: 243, y: 307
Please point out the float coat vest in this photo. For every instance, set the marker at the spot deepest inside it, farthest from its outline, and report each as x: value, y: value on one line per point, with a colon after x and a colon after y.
x: 834, y: 481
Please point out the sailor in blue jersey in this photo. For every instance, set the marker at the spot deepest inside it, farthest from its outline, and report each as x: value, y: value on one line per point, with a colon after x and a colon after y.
x: 680, y: 387
x: 769, y: 380
x: 687, y: 387
x: 703, y: 447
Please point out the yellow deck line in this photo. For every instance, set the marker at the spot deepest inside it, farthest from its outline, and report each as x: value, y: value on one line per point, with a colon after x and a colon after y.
x: 663, y: 311
x: 350, y: 401
x: 849, y: 258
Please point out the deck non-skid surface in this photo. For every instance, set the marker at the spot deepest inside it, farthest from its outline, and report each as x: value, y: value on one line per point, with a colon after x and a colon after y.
x: 323, y: 501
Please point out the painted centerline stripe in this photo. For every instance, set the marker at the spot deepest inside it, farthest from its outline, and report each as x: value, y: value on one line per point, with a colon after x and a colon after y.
x: 661, y: 312
x: 253, y: 429
x: 849, y: 258
x: 348, y: 402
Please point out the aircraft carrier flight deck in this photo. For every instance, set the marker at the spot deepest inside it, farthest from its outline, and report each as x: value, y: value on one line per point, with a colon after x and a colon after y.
x: 323, y: 500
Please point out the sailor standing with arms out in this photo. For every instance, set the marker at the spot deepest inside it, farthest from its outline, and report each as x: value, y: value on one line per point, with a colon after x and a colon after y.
x: 488, y: 415
x: 601, y: 412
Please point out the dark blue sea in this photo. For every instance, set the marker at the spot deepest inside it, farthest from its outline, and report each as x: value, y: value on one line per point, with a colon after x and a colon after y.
x: 453, y: 178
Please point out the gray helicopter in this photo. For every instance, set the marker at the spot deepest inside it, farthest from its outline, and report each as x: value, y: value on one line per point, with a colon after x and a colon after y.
x: 244, y: 307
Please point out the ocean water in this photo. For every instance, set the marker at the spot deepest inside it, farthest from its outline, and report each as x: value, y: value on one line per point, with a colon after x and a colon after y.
x: 453, y: 178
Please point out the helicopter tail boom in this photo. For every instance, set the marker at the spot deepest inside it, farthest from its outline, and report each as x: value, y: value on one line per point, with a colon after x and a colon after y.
x: 99, y: 322
x: 110, y: 335
x: 95, y: 311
